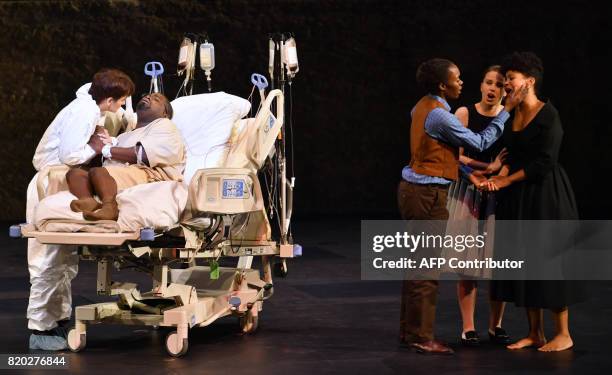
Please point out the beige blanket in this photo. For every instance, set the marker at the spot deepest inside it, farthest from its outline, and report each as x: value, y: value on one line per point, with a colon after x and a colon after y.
x: 157, y: 205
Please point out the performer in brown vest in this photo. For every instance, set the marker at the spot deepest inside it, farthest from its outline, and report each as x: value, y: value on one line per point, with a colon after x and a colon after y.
x: 435, y: 137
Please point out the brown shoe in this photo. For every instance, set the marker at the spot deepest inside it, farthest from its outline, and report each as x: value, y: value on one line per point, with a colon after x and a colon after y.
x: 109, y: 211
x: 431, y: 347
x: 85, y: 204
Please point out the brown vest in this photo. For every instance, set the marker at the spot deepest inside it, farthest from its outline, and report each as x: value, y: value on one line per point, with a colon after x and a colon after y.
x: 428, y: 156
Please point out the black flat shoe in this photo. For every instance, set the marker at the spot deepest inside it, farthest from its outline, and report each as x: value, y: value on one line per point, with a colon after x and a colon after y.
x: 500, y: 336
x: 470, y: 338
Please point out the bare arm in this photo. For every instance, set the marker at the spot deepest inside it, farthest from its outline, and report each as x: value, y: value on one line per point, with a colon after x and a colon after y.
x: 463, y: 115
x: 473, y: 163
x: 500, y: 182
x: 517, y: 176
x: 505, y: 169
x: 128, y: 155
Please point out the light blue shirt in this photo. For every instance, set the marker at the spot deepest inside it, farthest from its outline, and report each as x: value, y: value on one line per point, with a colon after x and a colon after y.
x: 442, y: 125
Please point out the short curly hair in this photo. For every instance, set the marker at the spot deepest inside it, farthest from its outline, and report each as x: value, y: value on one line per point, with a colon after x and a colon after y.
x: 432, y: 72
x: 527, y: 63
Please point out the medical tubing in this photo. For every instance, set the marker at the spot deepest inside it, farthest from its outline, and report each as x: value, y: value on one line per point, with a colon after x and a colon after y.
x: 274, y: 182
x: 292, y: 149
x: 283, y: 174
x: 282, y: 59
x: 270, y: 187
x: 250, y: 99
x: 291, y: 130
x: 208, y: 80
x: 269, y: 192
x: 212, y: 148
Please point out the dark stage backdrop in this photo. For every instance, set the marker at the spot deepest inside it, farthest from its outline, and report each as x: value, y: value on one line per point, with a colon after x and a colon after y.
x: 352, y: 96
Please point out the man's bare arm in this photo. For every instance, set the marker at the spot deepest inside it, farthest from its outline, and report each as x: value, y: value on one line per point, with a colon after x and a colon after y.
x: 129, y: 154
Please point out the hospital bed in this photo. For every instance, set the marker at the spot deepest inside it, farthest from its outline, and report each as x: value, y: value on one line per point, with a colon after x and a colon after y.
x: 177, y: 231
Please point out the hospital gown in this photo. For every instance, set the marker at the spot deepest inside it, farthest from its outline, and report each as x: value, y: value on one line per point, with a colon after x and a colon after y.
x: 165, y: 151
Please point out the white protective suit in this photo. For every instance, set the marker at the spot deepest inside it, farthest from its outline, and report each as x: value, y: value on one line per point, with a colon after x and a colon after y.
x: 52, y: 267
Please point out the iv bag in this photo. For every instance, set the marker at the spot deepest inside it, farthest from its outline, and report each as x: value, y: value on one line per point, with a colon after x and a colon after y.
x: 290, y: 57
x: 184, y: 53
x: 271, y: 46
x: 207, y: 56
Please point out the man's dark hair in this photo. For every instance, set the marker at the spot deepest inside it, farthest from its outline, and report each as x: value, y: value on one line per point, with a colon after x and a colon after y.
x: 527, y: 63
x: 432, y: 72
x: 110, y: 83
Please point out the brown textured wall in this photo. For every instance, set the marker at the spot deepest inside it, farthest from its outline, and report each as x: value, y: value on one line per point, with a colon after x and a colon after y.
x: 353, y: 93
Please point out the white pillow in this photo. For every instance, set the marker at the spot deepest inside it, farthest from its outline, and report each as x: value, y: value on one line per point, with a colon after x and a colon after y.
x: 206, y: 122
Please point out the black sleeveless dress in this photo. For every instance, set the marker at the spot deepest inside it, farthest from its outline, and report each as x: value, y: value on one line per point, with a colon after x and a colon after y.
x: 471, y: 211
x: 546, y: 194
x: 478, y: 123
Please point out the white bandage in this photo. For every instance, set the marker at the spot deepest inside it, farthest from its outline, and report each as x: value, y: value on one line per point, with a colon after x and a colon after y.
x: 106, y: 151
x: 139, y: 154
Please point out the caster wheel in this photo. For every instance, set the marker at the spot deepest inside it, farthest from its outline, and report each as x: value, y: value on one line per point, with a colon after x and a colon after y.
x: 76, y: 342
x: 249, y: 324
x: 280, y: 269
x: 176, y: 346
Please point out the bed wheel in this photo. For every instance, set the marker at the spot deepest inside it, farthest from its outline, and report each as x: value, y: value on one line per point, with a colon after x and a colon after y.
x: 175, y: 346
x: 76, y: 342
x: 280, y: 269
x: 249, y: 324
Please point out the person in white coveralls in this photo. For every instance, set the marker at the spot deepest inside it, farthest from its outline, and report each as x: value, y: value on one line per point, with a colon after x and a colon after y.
x: 73, y: 138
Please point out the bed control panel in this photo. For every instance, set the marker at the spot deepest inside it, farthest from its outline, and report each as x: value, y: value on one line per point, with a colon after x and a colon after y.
x: 234, y: 189
x: 225, y: 191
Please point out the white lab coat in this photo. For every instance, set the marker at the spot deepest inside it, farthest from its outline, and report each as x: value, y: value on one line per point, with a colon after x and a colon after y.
x: 52, y: 267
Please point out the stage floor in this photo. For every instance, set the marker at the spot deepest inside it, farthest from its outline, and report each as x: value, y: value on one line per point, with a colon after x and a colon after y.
x: 321, y: 319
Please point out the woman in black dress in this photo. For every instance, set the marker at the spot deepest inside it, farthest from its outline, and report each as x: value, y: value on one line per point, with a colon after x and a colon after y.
x: 535, y: 187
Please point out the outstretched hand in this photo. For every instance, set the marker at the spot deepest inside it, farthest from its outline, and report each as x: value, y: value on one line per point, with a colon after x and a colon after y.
x: 496, y: 183
x: 102, y: 132
x: 479, y: 180
x: 496, y: 164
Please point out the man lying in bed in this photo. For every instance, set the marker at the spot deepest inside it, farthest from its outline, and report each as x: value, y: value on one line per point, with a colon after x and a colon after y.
x: 153, y: 151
